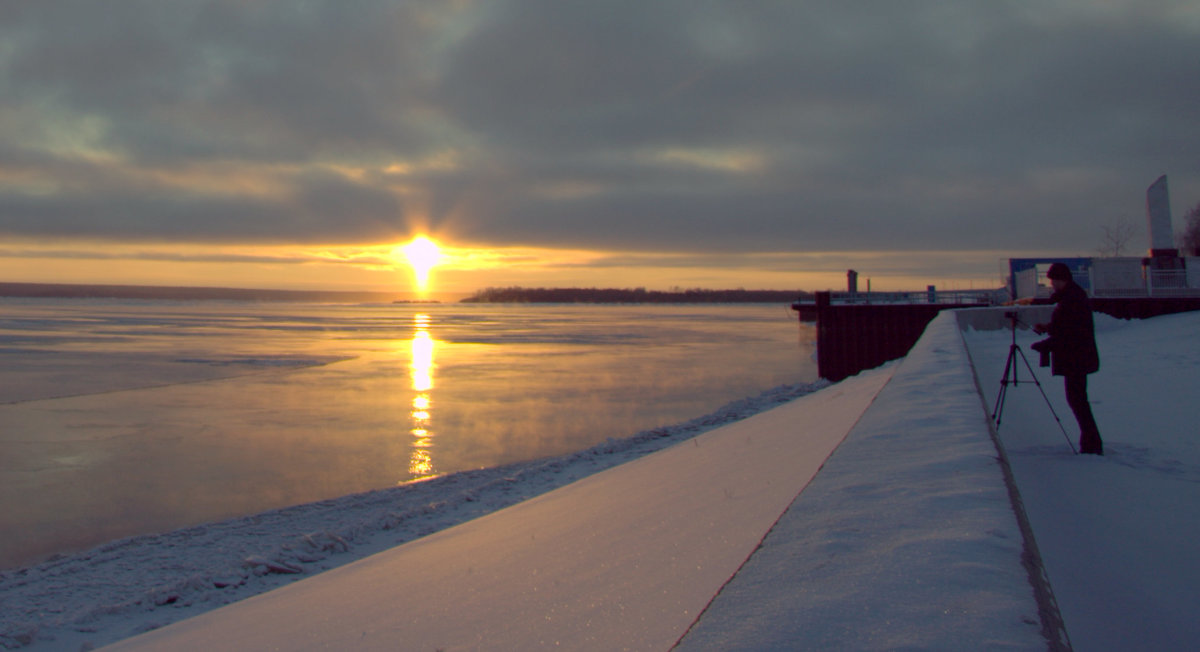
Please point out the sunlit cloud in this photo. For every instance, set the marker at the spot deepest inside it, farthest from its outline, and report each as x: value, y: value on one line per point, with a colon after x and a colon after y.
x: 447, y: 160
x: 490, y: 258
x: 739, y: 161
x: 160, y: 253
x: 567, y: 189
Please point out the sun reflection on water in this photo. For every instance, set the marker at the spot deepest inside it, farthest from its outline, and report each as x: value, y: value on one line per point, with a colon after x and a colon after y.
x: 420, y: 461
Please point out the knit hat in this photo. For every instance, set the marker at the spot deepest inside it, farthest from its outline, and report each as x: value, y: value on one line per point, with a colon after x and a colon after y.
x: 1059, y: 272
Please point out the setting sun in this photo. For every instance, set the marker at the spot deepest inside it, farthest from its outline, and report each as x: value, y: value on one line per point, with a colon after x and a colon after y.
x: 422, y: 255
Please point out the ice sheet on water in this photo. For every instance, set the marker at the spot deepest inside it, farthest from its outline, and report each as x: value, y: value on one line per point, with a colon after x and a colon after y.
x: 269, y: 361
x: 39, y: 375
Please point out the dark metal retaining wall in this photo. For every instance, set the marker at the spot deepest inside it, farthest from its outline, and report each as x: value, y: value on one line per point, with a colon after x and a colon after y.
x: 851, y: 338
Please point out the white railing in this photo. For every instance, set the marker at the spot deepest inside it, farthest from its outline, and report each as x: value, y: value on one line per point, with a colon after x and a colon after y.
x: 1152, y: 283
x: 1169, y: 283
x: 1123, y: 277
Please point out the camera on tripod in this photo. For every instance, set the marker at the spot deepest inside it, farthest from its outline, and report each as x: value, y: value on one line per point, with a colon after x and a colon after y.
x: 1043, y: 349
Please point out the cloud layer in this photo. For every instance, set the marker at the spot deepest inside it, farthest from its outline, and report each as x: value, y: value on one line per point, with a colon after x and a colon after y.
x: 675, y: 125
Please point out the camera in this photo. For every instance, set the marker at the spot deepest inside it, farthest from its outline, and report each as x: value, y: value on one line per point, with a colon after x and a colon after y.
x: 1043, y: 349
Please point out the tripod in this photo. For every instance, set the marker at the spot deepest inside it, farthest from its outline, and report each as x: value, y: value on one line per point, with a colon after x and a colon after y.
x: 1010, y: 369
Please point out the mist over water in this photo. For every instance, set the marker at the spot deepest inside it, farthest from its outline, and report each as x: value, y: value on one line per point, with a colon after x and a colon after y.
x: 122, y: 418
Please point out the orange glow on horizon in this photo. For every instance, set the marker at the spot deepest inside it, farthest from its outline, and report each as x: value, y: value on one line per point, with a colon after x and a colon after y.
x: 465, y: 268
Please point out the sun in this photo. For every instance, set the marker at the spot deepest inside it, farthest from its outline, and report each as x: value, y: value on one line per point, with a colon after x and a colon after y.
x: 422, y: 255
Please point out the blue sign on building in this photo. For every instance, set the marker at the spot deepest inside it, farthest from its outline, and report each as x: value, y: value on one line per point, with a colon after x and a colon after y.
x: 1079, y: 269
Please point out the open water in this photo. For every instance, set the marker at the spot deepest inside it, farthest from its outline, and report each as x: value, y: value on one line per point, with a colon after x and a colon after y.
x: 127, y: 417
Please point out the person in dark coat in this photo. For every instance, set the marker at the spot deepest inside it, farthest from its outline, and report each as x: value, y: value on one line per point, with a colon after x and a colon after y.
x: 1072, y: 347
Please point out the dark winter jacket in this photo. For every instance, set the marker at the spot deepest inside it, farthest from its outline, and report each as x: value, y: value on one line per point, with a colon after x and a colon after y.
x: 1072, y: 341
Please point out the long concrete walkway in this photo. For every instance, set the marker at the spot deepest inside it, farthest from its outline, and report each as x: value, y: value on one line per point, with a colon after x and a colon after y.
x: 624, y: 559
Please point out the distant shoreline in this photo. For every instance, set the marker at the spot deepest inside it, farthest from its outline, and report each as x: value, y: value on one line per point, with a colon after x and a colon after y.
x: 163, y: 292
x: 625, y: 295
x: 488, y: 295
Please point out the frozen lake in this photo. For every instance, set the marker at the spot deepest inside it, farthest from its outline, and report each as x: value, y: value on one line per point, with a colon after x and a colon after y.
x: 128, y: 417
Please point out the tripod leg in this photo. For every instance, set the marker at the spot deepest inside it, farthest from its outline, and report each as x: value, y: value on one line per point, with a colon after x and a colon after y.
x: 1047, y: 399
x: 998, y: 411
x: 1010, y: 366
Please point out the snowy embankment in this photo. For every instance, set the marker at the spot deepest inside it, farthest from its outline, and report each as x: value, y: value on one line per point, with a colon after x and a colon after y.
x: 907, y: 539
x: 133, y: 585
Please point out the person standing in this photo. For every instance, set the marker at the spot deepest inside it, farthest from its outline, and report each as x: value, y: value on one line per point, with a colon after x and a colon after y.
x: 1072, y: 347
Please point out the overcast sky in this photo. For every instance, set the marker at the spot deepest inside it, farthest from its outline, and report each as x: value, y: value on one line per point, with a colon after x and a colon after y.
x: 633, y: 126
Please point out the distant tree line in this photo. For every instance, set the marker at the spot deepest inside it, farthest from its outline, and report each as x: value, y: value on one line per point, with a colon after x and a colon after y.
x: 1189, y: 238
x: 634, y: 295
x: 154, y: 292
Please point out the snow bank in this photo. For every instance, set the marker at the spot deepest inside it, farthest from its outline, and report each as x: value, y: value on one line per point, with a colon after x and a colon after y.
x: 906, y: 539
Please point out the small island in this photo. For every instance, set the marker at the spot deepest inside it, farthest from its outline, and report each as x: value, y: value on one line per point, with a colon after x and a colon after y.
x: 631, y: 295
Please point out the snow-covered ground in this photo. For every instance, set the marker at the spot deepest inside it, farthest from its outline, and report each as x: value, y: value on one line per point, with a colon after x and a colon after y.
x: 885, y: 531
x: 1117, y: 533
x: 904, y: 539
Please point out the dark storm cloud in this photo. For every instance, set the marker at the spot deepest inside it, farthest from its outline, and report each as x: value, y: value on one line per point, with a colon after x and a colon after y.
x: 100, y: 201
x: 692, y: 126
